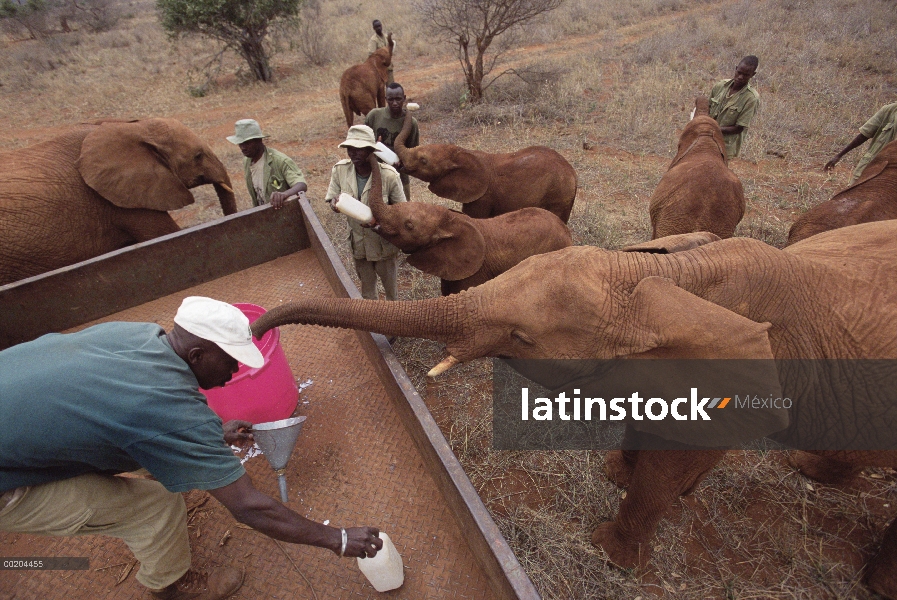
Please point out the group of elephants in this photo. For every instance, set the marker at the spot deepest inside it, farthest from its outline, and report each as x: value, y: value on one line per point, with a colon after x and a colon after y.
x: 830, y: 294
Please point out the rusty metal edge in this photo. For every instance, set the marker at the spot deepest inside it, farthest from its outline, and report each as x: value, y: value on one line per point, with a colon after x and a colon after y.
x: 506, y: 576
x: 92, y: 289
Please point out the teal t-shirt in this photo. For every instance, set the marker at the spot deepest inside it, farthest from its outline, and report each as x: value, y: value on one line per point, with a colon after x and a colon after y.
x: 109, y: 399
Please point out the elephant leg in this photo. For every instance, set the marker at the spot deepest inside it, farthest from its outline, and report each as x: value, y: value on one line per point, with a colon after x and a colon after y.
x: 824, y: 469
x: 659, y: 477
x: 619, y: 464
x: 881, y: 572
x: 143, y: 224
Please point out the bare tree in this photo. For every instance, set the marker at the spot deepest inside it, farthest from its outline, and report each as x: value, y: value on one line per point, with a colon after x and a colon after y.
x: 472, y: 25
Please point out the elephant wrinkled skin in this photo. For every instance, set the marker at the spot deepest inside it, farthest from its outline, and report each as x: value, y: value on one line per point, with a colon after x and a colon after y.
x: 830, y: 297
x: 873, y: 197
x: 363, y: 87
x: 461, y: 251
x: 99, y: 188
x: 489, y: 185
x: 698, y: 192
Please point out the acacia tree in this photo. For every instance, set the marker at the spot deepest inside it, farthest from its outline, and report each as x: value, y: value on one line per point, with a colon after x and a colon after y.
x: 472, y: 25
x: 241, y: 25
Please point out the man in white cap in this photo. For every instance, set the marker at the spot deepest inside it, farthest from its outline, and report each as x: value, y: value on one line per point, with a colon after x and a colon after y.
x: 271, y: 175
x: 117, y: 397
x: 373, y: 255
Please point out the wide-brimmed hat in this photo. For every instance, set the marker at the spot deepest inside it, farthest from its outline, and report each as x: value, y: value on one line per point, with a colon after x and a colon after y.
x: 245, y: 130
x: 360, y: 136
x: 222, y: 323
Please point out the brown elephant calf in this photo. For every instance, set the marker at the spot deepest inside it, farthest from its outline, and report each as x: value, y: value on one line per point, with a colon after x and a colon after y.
x: 872, y: 198
x: 462, y: 251
x: 363, y: 87
x: 698, y: 192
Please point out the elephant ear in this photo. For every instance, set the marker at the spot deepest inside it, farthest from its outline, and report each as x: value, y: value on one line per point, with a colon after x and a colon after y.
x: 674, y: 243
x: 872, y: 170
x: 127, y: 164
x: 466, y: 179
x: 672, y: 323
x: 458, y: 253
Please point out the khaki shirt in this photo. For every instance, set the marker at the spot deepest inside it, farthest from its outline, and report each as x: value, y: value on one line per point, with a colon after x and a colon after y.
x: 280, y: 174
x: 738, y: 109
x: 881, y: 128
x: 376, y: 42
x: 366, y: 244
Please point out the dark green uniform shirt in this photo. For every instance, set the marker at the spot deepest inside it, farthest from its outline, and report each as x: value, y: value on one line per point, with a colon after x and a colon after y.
x: 281, y: 173
x: 881, y: 128
x: 738, y: 109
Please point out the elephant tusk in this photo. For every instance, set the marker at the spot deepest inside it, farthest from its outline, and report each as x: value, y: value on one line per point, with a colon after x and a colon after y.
x: 226, y: 187
x: 444, y: 366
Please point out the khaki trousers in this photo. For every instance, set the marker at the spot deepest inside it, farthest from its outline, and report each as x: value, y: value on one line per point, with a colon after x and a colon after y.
x: 151, y: 520
x: 406, y: 185
x: 368, y: 270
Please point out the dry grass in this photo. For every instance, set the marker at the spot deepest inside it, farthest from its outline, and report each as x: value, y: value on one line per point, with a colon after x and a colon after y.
x: 622, y: 77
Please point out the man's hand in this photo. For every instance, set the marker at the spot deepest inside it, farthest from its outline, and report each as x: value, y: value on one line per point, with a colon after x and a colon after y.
x: 332, y: 203
x: 277, y: 199
x: 236, y: 433
x: 362, y: 542
x: 831, y: 164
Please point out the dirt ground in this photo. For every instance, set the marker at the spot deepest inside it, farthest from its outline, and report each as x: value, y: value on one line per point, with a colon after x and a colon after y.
x: 754, y: 529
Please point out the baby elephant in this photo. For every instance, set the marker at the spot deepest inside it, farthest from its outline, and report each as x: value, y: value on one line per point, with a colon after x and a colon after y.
x: 872, y: 198
x: 462, y: 251
x: 698, y: 192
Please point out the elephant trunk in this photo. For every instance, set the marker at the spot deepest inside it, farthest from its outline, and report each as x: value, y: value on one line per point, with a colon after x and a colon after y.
x: 399, y: 144
x: 387, y: 220
x: 226, y: 197
x: 434, y: 318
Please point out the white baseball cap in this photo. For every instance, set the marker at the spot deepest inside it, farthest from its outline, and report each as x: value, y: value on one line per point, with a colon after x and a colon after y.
x: 222, y: 323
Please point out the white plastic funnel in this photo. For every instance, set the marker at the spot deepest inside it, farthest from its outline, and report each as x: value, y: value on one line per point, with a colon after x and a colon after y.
x: 277, y: 440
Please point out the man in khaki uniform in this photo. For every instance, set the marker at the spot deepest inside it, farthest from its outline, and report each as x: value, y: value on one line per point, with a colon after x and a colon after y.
x: 387, y: 122
x: 377, y: 41
x: 373, y: 255
x: 734, y: 103
x: 271, y: 176
x: 881, y: 128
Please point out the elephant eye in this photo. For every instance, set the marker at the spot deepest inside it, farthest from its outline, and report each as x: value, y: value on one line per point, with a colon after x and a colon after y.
x: 409, y: 225
x: 522, y: 337
x: 423, y: 160
x: 198, y: 157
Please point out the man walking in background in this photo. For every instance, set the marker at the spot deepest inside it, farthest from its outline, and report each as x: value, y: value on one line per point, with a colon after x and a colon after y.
x: 271, y: 176
x: 734, y: 103
x: 387, y: 123
x: 373, y: 255
x: 377, y: 41
x: 881, y: 129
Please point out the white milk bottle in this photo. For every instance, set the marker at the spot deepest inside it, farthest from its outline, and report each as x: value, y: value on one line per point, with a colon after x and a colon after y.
x: 384, y: 571
x: 354, y: 209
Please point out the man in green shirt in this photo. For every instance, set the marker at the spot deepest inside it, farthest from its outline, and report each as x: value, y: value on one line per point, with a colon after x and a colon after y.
x: 734, y: 103
x: 117, y: 397
x: 881, y: 128
x: 271, y: 176
x: 377, y: 41
x: 373, y: 255
x: 387, y: 123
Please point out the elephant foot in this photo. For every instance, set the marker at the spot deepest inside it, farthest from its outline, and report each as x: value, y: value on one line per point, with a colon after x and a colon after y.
x: 823, y: 469
x: 618, y: 466
x: 881, y: 571
x: 625, y: 555
x: 882, y: 579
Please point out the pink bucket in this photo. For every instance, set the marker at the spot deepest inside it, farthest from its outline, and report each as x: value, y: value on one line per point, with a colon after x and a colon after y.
x: 261, y: 395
